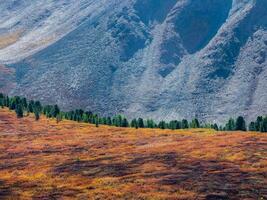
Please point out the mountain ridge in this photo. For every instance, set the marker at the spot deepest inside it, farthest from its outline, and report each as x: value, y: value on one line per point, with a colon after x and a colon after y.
x: 193, y: 58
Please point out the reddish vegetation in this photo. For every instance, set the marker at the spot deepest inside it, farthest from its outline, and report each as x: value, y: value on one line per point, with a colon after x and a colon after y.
x: 46, y: 160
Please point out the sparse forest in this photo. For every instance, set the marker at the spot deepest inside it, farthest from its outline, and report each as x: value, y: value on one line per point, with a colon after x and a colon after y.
x: 23, y: 107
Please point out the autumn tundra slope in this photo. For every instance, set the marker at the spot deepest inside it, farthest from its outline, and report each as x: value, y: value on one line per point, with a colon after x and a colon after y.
x: 69, y: 160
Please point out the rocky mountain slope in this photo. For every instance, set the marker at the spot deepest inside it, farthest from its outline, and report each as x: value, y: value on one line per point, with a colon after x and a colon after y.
x: 162, y: 59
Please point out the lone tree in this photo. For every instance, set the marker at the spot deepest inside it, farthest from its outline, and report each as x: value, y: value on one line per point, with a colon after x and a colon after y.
x: 240, y: 124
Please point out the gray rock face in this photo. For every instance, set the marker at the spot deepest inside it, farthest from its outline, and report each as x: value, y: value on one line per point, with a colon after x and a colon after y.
x: 161, y: 59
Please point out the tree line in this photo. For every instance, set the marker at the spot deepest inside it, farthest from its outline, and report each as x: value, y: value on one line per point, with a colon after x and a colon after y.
x: 23, y: 107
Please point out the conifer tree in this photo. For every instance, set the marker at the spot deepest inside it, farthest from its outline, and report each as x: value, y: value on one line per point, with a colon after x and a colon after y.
x: 85, y: 118
x: 55, y: 111
x: 104, y: 120
x: 185, y: 124
x: 24, y: 103
x: 7, y: 101
x: 109, y: 121
x: 252, y: 126
x: 37, y: 115
x: 230, y: 125
x: 31, y: 106
x: 240, y: 124
x: 263, y: 126
x: 150, y: 123
x: 194, y: 123
x: 162, y: 125
x: 140, y: 123
x: 258, y: 123
x: 124, y: 123
x: 19, y: 111
x: 96, y: 122
x: 12, y: 104
x: 179, y: 125
x: 37, y: 106
x: 173, y: 124
x: 215, y: 127
x: 16, y: 101
x: 2, y: 100
x: 1, y: 103
x: 117, y: 121
x: 133, y: 123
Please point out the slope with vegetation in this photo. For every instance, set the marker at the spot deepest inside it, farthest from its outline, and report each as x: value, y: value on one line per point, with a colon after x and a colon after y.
x: 68, y: 160
x: 22, y: 106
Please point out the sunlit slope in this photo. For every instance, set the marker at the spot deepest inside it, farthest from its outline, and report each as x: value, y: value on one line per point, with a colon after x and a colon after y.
x: 69, y: 160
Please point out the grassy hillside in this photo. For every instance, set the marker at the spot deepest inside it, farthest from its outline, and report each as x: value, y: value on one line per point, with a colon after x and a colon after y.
x: 46, y: 160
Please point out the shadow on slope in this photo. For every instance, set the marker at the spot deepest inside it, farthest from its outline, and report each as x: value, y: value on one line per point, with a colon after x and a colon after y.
x: 211, y: 179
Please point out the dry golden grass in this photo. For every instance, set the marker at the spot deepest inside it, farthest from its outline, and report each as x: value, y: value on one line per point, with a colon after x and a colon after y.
x: 46, y: 160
